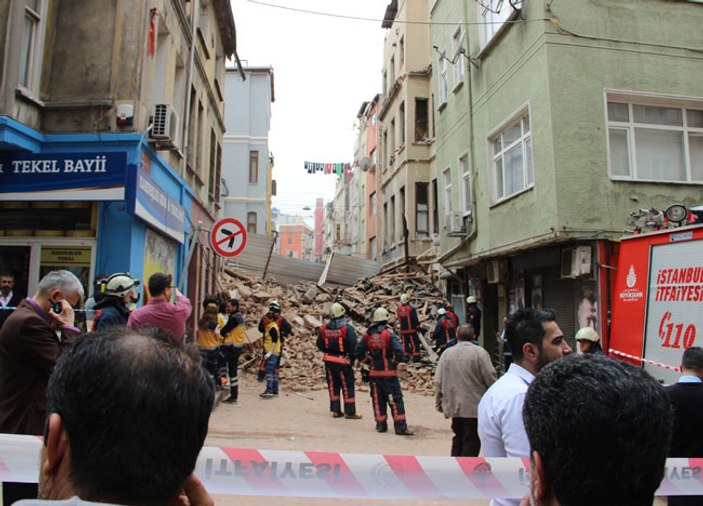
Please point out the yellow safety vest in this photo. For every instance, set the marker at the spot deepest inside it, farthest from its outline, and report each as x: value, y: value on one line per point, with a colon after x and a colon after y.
x: 269, y: 345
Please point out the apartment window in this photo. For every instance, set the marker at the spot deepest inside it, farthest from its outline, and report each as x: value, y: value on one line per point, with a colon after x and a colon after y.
x: 372, y: 249
x: 218, y: 172
x: 385, y: 225
x: 492, y: 16
x: 30, y: 55
x: 435, y: 207
x: 660, y: 141
x: 385, y: 84
x: 213, y: 160
x: 385, y: 148
x: 422, y: 210
x: 465, y: 184
x: 253, y: 167
x: 460, y: 65
x: 391, y: 66
x: 401, y: 51
x: 422, y: 120
x: 511, y: 148
x: 442, y: 81
x: 372, y: 204
x: 401, y: 126
x: 251, y: 223
x: 447, y: 182
x: 391, y: 230
x: 392, y: 135
x: 374, y: 160
x: 401, y: 211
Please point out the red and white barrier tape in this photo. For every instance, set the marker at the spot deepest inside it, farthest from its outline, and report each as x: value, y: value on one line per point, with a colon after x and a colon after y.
x: 646, y: 361
x: 237, y: 471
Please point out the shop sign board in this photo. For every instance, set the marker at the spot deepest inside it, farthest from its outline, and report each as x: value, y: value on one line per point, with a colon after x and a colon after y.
x: 63, y: 176
x: 156, y: 207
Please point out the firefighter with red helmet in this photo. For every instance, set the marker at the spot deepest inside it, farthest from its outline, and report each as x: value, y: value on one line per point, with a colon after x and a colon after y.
x: 381, y: 348
x: 409, y: 327
x: 337, y: 340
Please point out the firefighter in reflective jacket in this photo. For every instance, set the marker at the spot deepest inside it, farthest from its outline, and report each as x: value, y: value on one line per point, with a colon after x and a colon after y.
x: 444, y: 332
x: 382, y: 349
x: 337, y: 340
x: 409, y: 326
x: 284, y: 327
x: 272, y: 352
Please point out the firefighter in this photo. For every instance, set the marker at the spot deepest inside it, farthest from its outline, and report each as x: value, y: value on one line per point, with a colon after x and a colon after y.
x: 337, y: 340
x: 444, y: 331
x: 381, y: 348
x: 117, y: 292
x: 589, y: 341
x: 473, y: 315
x: 409, y: 327
x: 452, y: 314
x: 284, y: 328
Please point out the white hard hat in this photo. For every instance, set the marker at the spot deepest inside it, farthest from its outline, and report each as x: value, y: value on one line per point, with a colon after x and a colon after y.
x: 380, y: 315
x: 471, y: 299
x: 441, y: 311
x: 405, y: 298
x: 120, y: 284
x: 337, y: 310
x: 275, y: 306
x: 587, y: 334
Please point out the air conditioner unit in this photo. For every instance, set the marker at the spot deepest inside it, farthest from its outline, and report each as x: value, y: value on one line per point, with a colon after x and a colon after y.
x: 493, y: 272
x: 454, y: 223
x: 164, y: 126
x: 576, y: 262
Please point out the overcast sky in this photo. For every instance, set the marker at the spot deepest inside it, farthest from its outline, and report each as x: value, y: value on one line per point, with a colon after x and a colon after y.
x: 324, y: 68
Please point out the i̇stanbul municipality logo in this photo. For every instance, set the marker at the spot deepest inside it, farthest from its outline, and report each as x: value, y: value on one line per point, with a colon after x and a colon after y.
x: 630, y: 294
x: 631, y: 277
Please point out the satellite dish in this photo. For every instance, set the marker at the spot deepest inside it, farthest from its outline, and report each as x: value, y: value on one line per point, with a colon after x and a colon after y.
x: 365, y: 164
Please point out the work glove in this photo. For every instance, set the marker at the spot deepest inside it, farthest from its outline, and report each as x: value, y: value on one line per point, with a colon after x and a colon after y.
x: 268, y: 355
x: 364, y: 373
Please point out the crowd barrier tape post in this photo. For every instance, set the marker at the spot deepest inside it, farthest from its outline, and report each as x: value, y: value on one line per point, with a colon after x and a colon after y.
x: 250, y: 472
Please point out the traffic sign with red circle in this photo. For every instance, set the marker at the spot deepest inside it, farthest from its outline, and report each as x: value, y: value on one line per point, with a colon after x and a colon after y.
x: 228, y: 237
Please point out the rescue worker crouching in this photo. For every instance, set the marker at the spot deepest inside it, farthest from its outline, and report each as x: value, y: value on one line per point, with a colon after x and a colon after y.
x: 588, y: 341
x: 381, y: 348
x: 409, y: 327
x: 337, y: 340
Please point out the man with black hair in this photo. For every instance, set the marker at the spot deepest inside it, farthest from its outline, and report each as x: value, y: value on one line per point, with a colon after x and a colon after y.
x: 9, y: 300
x: 233, y: 335
x: 160, y: 312
x: 535, y: 340
x: 117, y: 448
x: 687, y: 399
x: 599, y: 433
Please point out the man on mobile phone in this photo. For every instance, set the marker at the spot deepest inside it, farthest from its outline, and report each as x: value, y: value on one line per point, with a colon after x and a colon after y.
x: 31, y: 340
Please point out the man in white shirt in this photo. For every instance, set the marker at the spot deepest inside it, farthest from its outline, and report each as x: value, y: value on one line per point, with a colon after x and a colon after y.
x: 535, y: 340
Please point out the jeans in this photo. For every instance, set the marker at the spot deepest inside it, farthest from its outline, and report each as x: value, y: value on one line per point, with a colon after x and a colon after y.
x: 272, y: 374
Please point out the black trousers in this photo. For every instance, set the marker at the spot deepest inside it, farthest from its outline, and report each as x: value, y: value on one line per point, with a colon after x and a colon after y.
x: 12, y: 491
x: 385, y: 392
x: 340, y: 378
x: 465, y: 442
x: 230, y: 358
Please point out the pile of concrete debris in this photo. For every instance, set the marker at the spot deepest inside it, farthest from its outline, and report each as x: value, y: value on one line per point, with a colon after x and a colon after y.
x: 306, y: 307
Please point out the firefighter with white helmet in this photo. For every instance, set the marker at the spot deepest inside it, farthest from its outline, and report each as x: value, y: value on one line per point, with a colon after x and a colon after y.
x: 444, y: 332
x: 473, y: 315
x: 118, y: 291
x: 588, y: 341
x: 381, y: 348
x: 409, y: 327
x: 285, y: 329
x: 337, y: 340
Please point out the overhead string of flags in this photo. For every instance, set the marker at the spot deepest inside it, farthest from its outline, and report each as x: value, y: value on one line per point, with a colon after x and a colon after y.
x: 337, y: 169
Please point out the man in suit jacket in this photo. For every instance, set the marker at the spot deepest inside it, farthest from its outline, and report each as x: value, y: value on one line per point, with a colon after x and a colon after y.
x: 31, y: 340
x: 687, y: 399
x: 8, y: 298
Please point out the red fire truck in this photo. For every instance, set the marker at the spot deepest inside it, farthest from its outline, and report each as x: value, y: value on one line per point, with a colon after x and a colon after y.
x: 658, y: 299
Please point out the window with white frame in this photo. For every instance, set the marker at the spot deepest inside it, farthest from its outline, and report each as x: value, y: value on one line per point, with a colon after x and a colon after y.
x: 492, y: 16
x: 422, y: 210
x: 442, y: 81
x: 460, y: 65
x: 465, y: 184
x: 511, y: 151
x: 30, y: 51
x: 654, y: 139
x: 447, y: 183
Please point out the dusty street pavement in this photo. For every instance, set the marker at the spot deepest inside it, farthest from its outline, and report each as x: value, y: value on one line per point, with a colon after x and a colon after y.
x: 294, y: 422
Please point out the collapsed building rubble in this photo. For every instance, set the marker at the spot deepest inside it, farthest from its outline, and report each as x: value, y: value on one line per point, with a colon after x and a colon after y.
x: 306, y: 306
